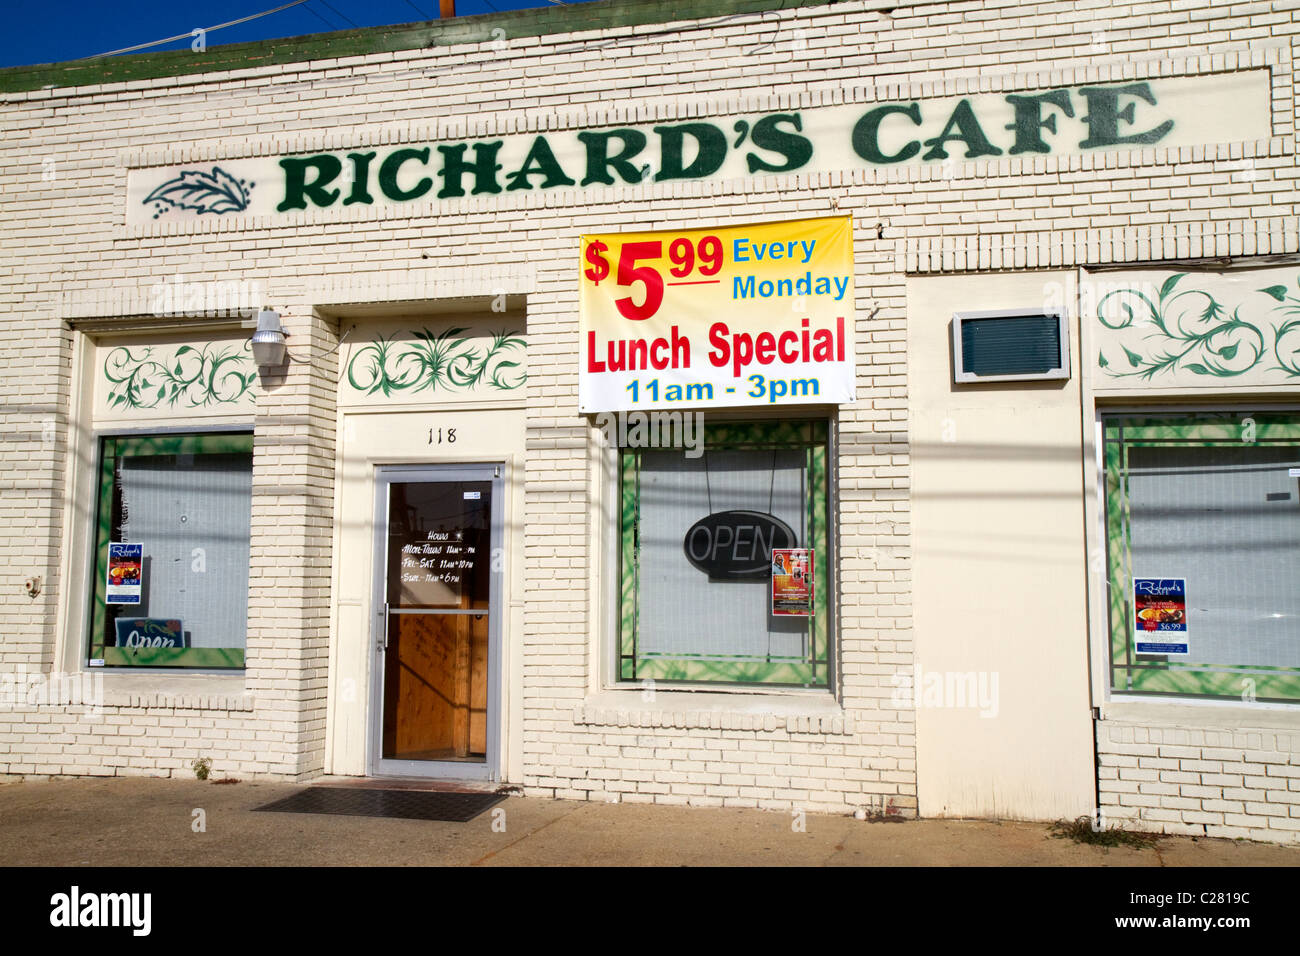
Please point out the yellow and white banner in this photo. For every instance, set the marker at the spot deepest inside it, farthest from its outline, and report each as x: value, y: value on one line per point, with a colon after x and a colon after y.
x: 714, y: 318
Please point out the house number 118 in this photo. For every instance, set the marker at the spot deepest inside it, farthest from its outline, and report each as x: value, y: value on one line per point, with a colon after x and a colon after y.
x: 436, y: 436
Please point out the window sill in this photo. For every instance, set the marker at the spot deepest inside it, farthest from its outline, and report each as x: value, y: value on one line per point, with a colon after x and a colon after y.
x: 176, y: 691
x: 801, y: 712
x: 1208, y: 714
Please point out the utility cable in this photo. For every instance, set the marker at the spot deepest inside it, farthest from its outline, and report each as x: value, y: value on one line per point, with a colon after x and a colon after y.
x: 342, y: 16
x: 186, y: 36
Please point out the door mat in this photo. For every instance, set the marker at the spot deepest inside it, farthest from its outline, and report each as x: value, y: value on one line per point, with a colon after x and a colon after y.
x: 399, y: 804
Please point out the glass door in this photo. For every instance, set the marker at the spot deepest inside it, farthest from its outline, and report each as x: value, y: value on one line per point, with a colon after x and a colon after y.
x: 437, y: 621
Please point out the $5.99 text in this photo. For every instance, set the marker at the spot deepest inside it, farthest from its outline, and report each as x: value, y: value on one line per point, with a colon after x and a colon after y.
x: 705, y: 258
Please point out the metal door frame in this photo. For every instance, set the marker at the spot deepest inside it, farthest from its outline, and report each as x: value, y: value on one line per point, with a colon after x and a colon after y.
x: 385, y: 477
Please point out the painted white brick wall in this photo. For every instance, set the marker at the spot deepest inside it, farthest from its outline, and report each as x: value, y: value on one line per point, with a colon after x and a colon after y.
x: 62, y: 238
x: 1240, y: 783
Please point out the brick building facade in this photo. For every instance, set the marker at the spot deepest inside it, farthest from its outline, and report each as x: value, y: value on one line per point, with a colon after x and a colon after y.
x: 969, y: 527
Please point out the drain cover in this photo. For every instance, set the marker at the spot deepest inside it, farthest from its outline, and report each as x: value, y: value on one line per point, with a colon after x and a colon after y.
x: 400, y: 804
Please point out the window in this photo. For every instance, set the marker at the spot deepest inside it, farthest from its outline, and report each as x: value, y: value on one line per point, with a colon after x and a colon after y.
x: 697, y: 542
x: 172, y: 551
x: 1010, y: 346
x: 1203, y: 549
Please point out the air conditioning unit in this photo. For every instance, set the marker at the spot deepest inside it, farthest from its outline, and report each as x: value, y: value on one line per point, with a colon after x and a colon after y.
x: 1010, y: 345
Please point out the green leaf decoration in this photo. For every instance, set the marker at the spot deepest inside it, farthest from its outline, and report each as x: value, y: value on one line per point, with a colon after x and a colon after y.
x: 190, y: 377
x: 446, y: 360
x: 1207, y: 341
x: 215, y: 191
x: 1101, y: 360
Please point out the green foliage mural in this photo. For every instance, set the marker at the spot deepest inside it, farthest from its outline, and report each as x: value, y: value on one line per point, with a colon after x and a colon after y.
x: 445, y: 360
x: 1188, y: 328
x: 146, y: 377
x: 216, y: 192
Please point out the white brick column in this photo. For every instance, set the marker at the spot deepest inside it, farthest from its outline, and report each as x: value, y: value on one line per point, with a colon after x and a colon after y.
x: 292, y: 535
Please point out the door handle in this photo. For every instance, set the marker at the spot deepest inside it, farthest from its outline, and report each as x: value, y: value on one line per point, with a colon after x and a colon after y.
x: 382, y: 647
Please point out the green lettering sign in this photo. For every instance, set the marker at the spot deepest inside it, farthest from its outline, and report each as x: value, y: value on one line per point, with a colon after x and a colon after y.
x: 599, y: 161
x: 1104, y: 115
x: 540, y: 161
x: 711, y: 150
x: 968, y: 131
x: 1029, y: 121
x: 768, y: 134
x: 484, y: 167
x: 360, y: 177
x: 392, y: 166
x: 297, y: 190
x: 866, y: 134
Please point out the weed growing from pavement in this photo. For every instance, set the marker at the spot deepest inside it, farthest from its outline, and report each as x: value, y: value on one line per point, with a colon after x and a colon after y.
x: 202, y: 767
x: 1083, y: 831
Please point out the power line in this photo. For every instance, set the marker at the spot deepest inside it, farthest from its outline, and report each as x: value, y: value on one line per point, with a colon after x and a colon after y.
x: 418, y: 10
x: 313, y: 12
x: 341, y: 16
x: 186, y: 36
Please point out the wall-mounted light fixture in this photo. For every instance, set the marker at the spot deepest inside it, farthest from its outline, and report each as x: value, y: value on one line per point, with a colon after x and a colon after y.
x: 268, y: 341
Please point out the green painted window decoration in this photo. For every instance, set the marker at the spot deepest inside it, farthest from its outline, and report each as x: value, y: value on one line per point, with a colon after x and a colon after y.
x: 442, y: 360
x: 187, y: 501
x: 680, y: 624
x: 1210, y: 501
x: 1181, y: 326
x: 145, y: 377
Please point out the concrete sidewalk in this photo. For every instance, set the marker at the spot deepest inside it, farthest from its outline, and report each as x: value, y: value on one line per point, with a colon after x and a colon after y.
x: 149, y: 822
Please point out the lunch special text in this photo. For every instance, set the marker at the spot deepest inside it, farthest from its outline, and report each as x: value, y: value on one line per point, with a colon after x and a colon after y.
x: 737, y: 349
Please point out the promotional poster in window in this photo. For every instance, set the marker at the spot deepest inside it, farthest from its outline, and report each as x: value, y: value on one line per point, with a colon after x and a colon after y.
x: 1160, y: 610
x: 792, y: 582
x: 125, y: 573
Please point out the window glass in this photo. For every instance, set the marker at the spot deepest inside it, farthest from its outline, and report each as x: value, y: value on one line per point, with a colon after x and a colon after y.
x: 698, y: 541
x: 1203, y: 528
x: 171, y: 586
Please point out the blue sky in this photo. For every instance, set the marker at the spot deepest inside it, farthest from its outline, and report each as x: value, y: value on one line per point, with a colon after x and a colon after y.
x: 50, y: 31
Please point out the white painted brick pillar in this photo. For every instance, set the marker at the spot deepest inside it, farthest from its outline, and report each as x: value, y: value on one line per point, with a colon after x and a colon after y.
x: 291, y: 554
